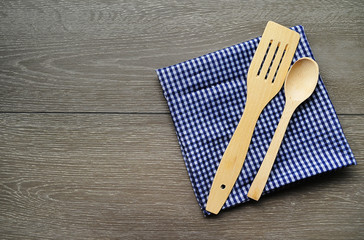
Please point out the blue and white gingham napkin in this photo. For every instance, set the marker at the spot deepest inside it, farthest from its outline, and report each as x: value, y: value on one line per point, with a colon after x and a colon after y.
x: 206, y: 97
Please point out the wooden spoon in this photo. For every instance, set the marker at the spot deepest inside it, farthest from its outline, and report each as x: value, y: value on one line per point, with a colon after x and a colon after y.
x: 300, y: 83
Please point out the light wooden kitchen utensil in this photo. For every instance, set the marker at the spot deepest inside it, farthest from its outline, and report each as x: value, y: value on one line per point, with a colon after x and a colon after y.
x: 265, y: 78
x: 300, y: 84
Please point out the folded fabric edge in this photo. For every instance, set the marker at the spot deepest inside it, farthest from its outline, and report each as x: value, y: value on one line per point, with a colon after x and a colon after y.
x: 304, y: 37
x: 296, y: 181
x: 184, y: 154
x: 288, y: 185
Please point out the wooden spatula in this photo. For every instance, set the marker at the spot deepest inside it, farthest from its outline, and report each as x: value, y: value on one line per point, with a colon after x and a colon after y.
x: 265, y: 78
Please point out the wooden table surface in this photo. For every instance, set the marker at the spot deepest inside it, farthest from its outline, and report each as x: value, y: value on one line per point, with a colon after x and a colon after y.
x: 87, y: 146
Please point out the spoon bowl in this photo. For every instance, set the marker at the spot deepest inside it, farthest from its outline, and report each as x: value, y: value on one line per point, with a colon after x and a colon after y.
x: 301, y: 80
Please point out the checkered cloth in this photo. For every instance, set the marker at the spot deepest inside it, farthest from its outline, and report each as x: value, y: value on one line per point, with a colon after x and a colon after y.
x: 206, y: 97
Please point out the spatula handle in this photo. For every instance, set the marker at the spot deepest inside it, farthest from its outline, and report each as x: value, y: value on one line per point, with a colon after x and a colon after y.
x: 233, y: 158
x: 261, y: 178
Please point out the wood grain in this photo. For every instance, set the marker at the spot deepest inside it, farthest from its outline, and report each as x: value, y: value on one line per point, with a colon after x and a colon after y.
x: 88, y: 149
x: 100, y: 56
x: 84, y: 176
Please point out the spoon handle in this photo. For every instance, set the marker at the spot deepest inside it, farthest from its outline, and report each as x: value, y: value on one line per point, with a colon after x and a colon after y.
x: 261, y: 178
